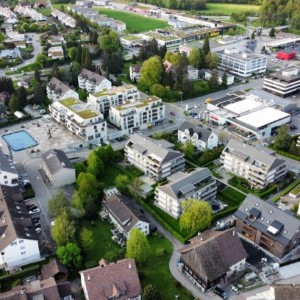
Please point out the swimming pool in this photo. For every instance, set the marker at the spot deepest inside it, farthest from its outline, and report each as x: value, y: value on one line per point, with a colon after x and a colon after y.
x: 19, y: 140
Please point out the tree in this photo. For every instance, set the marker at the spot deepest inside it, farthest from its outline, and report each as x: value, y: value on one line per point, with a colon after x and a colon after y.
x: 63, y: 230
x: 69, y: 255
x: 22, y: 96
x: 196, y: 215
x: 137, y: 246
x: 75, y: 71
x: 37, y: 76
x: 253, y: 35
x: 273, y: 12
x: 272, y: 32
x: 136, y: 187
x: 53, y: 29
x: 54, y: 71
x: 222, y: 137
x: 86, y: 239
x: 57, y: 205
x: 72, y: 53
x: 283, y: 139
x: 110, y: 42
x: 87, y: 184
x: 213, y: 81
x: 196, y: 58
x: 151, y: 293
x: 189, y: 150
x: 211, y: 60
x: 14, y: 103
x: 90, y: 209
x: 122, y: 182
x: 224, y: 80
x: 206, y: 47
x: 152, y: 71
x: 95, y: 164
x: 39, y: 94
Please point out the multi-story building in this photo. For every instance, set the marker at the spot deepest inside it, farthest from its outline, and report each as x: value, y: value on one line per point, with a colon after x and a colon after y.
x: 267, y: 226
x: 57, y: 90
x: 259, y: 168
x: 93, y: 82
x: 199, y: 184
x: 242, y: 64
x: 135, y: 72
x: 117, y: 95
x: 19, y: 243
x: 155, y: 158
x: 80, y: 118
x: 283, y: 83
x: 8, y: 173
x: 138, y: 115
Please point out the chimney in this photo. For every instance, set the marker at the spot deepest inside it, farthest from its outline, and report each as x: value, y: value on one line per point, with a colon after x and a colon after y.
x: 88, y: 277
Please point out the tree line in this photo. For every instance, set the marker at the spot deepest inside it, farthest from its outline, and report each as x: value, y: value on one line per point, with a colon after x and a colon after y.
x: 177, y: 4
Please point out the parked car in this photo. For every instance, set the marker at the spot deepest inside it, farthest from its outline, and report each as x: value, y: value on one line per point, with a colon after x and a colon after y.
x: 172, y: 113
x: 38, y: 230
x: 221, y: 293
x: 34, y: 211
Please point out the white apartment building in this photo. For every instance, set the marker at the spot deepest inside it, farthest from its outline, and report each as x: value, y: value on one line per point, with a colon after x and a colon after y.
x: 8, y: 173
x: 199, y: 184
x: 117, y: 95
x: 283, y: 83
x: 19, y: 243
x: 93, y: 82
x: 80, y: 118
x: 135, y: 72
x: 258, y: 167
x: 138, y: 115
x: 57, y: 90
x: 230, y: 77
x: 242, y: 64
x: 154, y: 157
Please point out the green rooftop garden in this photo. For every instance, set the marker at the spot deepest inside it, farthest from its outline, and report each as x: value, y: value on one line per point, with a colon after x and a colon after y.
x: 296, y: 190
x: 131, y: 37
x: 85, y: 114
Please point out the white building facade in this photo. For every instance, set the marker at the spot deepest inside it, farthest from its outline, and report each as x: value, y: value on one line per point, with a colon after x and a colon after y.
x: 93, y: 82
x: 57, y: 90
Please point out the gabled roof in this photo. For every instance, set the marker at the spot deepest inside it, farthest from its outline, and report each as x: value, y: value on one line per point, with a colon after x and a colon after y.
x: 57, y: 86
x: 120, y: 278
x: 91, y: 76
x: 136, y: 68
x: 53, y: 268
x: 6, y: 163
x: 56, y: 160
x: 203, y: 133
x: 211, y: 256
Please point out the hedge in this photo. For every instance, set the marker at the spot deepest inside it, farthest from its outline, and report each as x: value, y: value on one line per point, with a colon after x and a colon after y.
x: 286, y: 190
x: 224, y: 213
x: 14, y: 121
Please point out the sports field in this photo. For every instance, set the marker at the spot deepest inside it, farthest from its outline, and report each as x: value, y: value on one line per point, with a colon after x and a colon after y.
x: 228, y: 9
x: 134, y: 22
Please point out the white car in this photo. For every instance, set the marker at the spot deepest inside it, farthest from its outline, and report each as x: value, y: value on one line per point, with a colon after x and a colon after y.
x: 38, y: 230
x: 197, y: 117
x: 34, y: 211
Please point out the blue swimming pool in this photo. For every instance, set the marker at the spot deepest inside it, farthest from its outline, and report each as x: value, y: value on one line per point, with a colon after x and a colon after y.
x: 19, y: 140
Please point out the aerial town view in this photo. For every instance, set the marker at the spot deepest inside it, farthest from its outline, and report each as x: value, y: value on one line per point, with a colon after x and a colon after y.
x: 150, y: 150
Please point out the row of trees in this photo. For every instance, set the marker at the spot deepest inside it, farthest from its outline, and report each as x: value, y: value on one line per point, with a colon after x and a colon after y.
x: 176, y: 4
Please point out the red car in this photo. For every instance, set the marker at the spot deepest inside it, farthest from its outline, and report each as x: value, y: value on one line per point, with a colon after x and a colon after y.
x: 172, y: 113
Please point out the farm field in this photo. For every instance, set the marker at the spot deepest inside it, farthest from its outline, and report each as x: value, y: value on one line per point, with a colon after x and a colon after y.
x: 134, y: 22
x: 228, y: 9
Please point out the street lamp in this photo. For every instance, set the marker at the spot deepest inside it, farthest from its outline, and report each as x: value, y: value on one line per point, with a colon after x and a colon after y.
x: 181, y: 96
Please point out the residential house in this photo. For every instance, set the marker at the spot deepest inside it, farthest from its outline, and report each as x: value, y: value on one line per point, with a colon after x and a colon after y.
x: 19, y: 243
x: 184, y: 48
x: 168, y: 66
x: 213, y: 257
x: 14, y: 36
x: 199, y: 184
x: 27, y: 11
x: 154, y: 157
x: 80, y: 118
x: 220, y: 74
x: 56, y: 40
x: 135, y: 72
x: 93, y: 82
x: 276, y: 231
x: 117, y: 25
x: 56, y: 52
x: 54, y: 269
x: 57, y: 90
x: 118, y: 280
x: 58, y: 168
x: 258, y: 167
x: 140, y: 114
x: 125, y: 215
x: 200, y: 137
x: 10, y: 53
x: 8, y: 172
x: 64, y: 18
x: 6, y: 12
x: 192, y: 73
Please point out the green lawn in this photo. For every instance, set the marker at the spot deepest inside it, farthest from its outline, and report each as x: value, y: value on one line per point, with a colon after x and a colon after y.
x: 231, y: 196
x: 228, y: 9
x: 134, y: 22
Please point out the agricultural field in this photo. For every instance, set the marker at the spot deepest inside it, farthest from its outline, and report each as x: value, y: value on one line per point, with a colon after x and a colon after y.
x: 134, y: 22
x: 228, y: 9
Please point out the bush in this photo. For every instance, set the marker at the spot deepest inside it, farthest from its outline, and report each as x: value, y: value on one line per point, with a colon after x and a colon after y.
x: 160, y: 252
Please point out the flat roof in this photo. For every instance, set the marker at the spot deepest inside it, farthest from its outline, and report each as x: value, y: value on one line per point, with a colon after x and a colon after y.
x: 281, y: 42
x: 263, y: 117
x: 243, y: 106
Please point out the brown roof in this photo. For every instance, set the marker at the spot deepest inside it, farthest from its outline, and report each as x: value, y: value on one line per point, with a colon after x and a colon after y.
x: 91, y: 76
x: 53, y: 268
x: 59, y: 87
x: 168, y: 66
x: 136, y: 68
x: 286, y: 291
x: 120, y: 278
x: 211, y: 254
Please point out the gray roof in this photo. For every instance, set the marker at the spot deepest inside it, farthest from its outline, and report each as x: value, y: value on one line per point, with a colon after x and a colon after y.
x: 280, y: 75
x: 56, y: 160
x: 148, y: 146
x: 91, y: 76
x: 203, y: 133
x: 57, y: 86
x: 184, y: 183
x: 6, y: 163
x: 268, y: 214
x: 251, y: 154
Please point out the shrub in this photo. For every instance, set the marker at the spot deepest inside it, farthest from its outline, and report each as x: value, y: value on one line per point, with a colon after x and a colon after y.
x: 160, y: 252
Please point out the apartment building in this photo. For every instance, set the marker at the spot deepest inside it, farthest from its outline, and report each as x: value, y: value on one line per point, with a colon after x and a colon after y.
x: 267, y: 226
x: 283, y: 83
x: 154, y: 157
x: 242, y: 63
x: 138, y: 115
x: 258, y: 167
x: 8, y: 172
x: 19, y: 243
x: 80, y: 118
x: 135, y: 72
x: 117, y: 95
x: 93, y: 82
x: 57, y: 90
x: 199, y: 184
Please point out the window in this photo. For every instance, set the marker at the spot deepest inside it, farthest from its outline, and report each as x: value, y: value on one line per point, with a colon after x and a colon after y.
x: 21, y: 241
x: 14, y: 243
x: 23, y: 252
x: 5, y: 176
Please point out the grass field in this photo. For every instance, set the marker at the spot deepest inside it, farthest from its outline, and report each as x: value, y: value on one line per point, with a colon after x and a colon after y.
x: 134, y: 22
x: 228, y: 9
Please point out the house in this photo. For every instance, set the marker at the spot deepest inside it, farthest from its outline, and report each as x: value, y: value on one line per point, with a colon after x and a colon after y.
x: 10, y: 53
x: 199, y: 184
x: 56, y: 40
x: 154, y: 157
x: 168, y: 66
x: 54, y: 269
x: 135, y: 72
x: 200, y: 137
x: 184, y: 48
x: 64, y: 18
x: 57, y: 90
x: 8, y: 172
x: 19, y: 243
x: 56, y: 52
x: 118, y: 280
x: 58, y: 168
x: 230, y: 77
x: 212, y: 258
x: 267, y: 226
x: 192, y: 73
x: 117, y: 25
x: 125, y: 215
x: 93, y: 82
x: 258, y: 167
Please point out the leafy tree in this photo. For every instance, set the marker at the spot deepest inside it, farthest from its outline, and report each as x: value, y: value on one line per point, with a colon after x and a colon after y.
x: 122, y: 182
x: 295, y: 20
x: 54, y: 71
x: 189, y: 149
x: 224, y: 80
x: 72, y: 52
x: 152, y: 71
x: 110, y: 42
x: 86, y: 239
x: 196, y: 58
x: 196, y: 215
x: 136, y: 187
x: 69, y: 255
x: 273, y: 12
x: 22, y: 96
x: 222, y: 137
x: 90, y: 208
x: 39, y: 94
x: 78, y: 200
x: 95, y: 164
x: 63, y: 230
x: 75, y: 71
x: 206, y: 47
x: 87, y: 184
x: 213, y: 81
x: 151, y: 293
x: 53, y: 29
x: 253, y: 35
x: 78, y: 53
x: 149, y: 49
x: 283, y: 139
x: 37, y: 76
x: 138, y: 246
x: 158, y: 90
x: 272, y: 32
x: 14, y: 103
x: 57, y: 205
x: 211, y: 60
